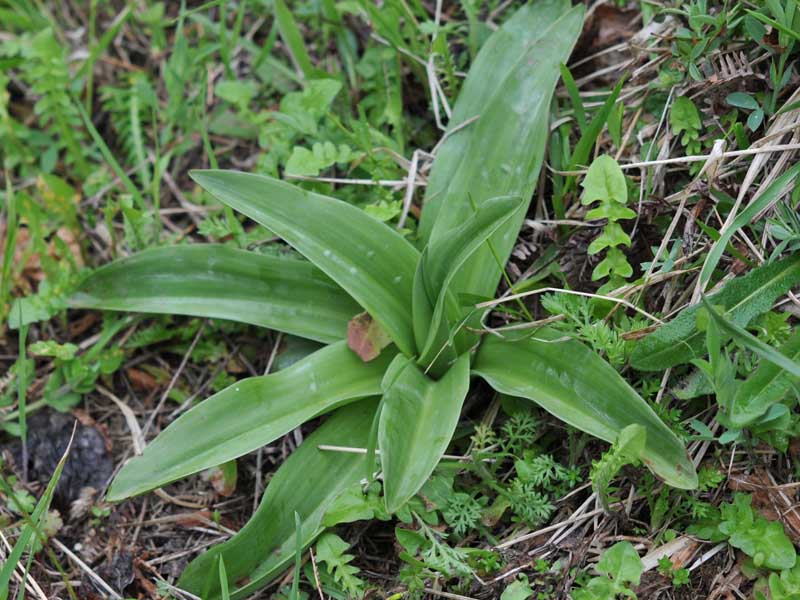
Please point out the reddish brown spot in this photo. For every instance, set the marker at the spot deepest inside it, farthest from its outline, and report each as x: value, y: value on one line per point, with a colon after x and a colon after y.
x: 365, y: 337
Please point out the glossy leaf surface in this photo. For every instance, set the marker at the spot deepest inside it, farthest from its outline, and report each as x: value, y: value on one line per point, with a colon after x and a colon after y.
x: 493, y: 64
x: 574, y: 384
x: 307, y: 482
x: 417, y: 421
x: 211, y: 280
x: 370, y: 261
x: 501, y: 153
x: 436, y: 310
x: 249, y: 414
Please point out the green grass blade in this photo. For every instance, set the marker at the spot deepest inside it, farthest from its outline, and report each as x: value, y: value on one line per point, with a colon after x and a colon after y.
x: 223, y: 581
x: 574, y: 384
x: 370, y: 261
x: 307, y: 482
x: 764, y: 199
x: 418, y: 420
x: 31, y: 527
x: 298, y: 555
x: 679, y: 341
x: 216, y: 281
x: 12, y: 226
x: 293, y: 39
x: 502, y: 153
x: 583, y: 149
x: 249, y: 414
x: 108, y: 156
x: 22, y: 397
x: 767, y: 386
x: 97, y: 49
x: 574, y: 97
x: 751, y: 342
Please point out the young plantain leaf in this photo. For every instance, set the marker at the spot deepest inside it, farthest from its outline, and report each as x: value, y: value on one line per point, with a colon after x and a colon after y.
x: 212, y: 280
x: 767, y: 386
x: 504, y: 152
x: 574, y: 384
x: 370, y: 261
x: 249, y: 414
x: 679, y: 341
x: 417, y: 421
x: 306, y: 483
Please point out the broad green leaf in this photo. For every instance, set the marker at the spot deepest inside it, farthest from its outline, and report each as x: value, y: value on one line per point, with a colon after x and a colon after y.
x: 614, y: 263
x: 786, y: 585
x: 621, y: 562
x: 577, y: 386
x: 767, y: 197
x: 684, y: 116
x: 417, y: 421
x: 768, y: 544
x: 680, y: 341
x: 501, y: 153
x: 612, y: 235
x: 439, y: 264
x: 293, y: 39
x: 370, y: 261
x: 763, y: 540
x: 249, y: 414
x: 767, y: 386
x: 604, y: 181
x: 308, y: 482
x: 211, y: 280
x: 742, y: 100
x: 519, y: 589
x: 495, y: 61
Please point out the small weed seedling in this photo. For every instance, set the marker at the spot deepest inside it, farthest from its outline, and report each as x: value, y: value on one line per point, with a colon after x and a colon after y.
x: 619, y: 568
x: 605, y: 183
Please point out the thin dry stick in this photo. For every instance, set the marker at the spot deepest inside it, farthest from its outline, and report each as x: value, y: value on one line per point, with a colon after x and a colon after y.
x: 533, y: 534
x: 453, y: 130
x: 354, y: 450
x: 560, y: 535
x: 140, y: 521
x: 260, y: 455
x: 708, y: 555
x: 710, y: 168
x: 172, y: 382
x: 379, y: 182
x: 409, y: 195
x: 448, y: 595
x: 504, y: 299
x: 86, y: 569
x: 437, y: 94
x: 316, y: 574
x: 693, y: 158
x: 30, y: 583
